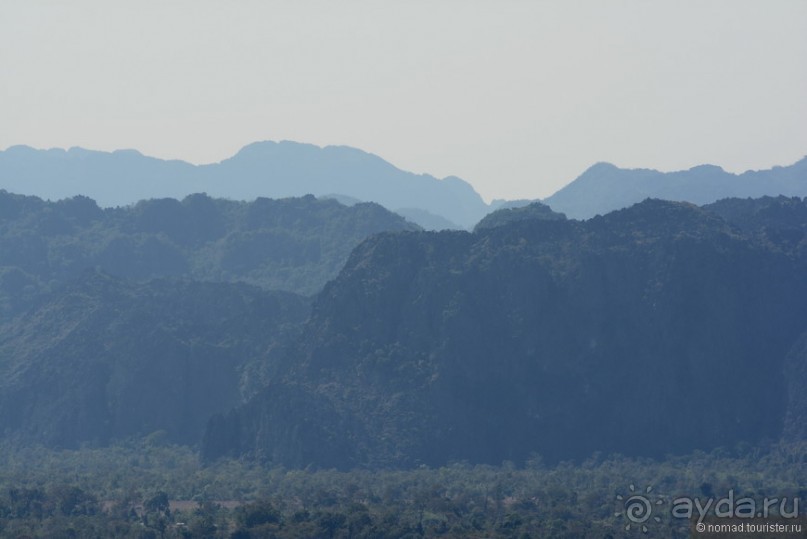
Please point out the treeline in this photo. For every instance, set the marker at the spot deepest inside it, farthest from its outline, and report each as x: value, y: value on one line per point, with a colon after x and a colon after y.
x: 149, y: 490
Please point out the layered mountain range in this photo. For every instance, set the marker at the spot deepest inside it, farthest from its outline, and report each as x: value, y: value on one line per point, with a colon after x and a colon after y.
x: 662, y: 328
x: 119, y: 322
x: 263, y: 169
x: 308, y: 332
x: 290, y: 169
x: 604, y: 187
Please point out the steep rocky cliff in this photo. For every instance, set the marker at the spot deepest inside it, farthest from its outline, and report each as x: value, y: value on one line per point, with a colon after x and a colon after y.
x: 653, y: 330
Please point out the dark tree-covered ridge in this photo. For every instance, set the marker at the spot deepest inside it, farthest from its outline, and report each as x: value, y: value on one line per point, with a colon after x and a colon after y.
x: 653, y: 330
x: 294, y: 244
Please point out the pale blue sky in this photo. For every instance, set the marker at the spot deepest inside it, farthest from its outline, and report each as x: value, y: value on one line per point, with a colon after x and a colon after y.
x: 516, y: 97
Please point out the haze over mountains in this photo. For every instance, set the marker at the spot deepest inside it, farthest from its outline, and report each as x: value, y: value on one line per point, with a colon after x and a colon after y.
x: 287, y: 169
x: 262, y: 169
x: 604, y: 188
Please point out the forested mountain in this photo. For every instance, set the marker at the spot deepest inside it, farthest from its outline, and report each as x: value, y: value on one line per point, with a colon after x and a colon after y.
x: 506, y: 215
x: 661, y: 328
x: 294, y: 244
x: 780, y: 220
x: 781, y: 223
x: 262, y: 169
x: 604, y: 187
x: 104, y: 359
x: 657, y: 329
x: 93, y: 357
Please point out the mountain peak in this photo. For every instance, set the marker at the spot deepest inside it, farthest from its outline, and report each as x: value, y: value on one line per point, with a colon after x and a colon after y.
x: 600, y: 168
x: 604, y: 187
x: 706, y: 169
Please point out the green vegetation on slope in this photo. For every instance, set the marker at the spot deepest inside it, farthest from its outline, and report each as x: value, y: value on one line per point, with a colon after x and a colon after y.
x: 656, y: 329
x: 105, y: 359
x: 295, y: 244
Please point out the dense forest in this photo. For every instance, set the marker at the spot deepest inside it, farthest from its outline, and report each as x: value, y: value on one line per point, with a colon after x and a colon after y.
x: 146, y: 489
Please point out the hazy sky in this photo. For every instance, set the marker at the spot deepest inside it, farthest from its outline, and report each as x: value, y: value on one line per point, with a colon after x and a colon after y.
x: 516, y: 97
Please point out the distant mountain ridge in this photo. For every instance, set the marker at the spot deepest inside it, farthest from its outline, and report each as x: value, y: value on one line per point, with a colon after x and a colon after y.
x: 262, y: 169
x: 604, y: 187
x: 287, y: 169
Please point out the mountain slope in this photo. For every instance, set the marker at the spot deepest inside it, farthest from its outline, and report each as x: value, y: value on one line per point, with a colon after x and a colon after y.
x: 292, y: 244
x: 262, y: 169
x: 604, y: 187
x: 653, y: 330
x: 780, y: 222
x: 103, y: 359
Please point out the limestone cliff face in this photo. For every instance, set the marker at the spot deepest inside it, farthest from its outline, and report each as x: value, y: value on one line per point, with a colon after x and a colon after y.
x: 104, y: 359
x: 653, y: 330
x: 795, y: 423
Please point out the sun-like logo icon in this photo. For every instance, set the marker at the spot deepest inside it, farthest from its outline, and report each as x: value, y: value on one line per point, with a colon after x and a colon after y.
x: 638, y: 508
